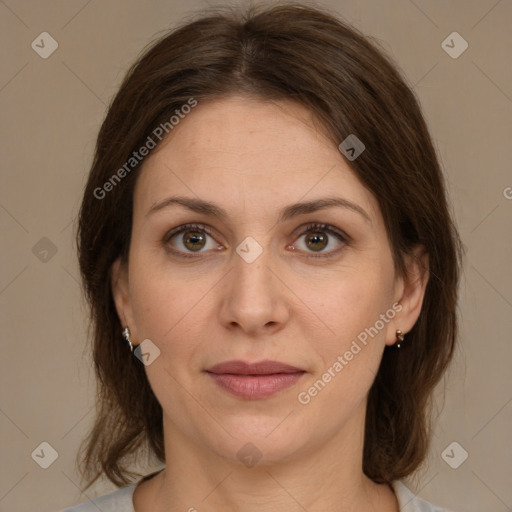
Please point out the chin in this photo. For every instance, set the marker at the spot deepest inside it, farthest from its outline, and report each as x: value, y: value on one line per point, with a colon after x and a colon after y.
x: 261, y: 441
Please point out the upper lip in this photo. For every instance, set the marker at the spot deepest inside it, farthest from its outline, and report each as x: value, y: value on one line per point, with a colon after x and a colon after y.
x: 260, y: 368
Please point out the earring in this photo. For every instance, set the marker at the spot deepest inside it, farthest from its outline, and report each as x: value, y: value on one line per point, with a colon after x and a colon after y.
x: 399, y: 337
x: 126, y: 336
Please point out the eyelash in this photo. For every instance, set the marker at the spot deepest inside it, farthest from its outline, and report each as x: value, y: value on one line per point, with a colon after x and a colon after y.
x: 314, y: 226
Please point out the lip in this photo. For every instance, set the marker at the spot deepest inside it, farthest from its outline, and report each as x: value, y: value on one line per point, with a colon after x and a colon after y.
x: 261, y: 368
x: 254, y: 380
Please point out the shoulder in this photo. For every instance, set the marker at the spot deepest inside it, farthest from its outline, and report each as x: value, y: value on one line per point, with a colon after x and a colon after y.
x: 120, y: 500
x: 409, y: 502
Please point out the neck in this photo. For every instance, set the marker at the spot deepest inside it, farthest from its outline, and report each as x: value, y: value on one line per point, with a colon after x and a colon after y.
x: 319, y: 478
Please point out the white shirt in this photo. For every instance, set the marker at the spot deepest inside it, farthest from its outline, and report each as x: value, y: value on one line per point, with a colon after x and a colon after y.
x: 122, y: 501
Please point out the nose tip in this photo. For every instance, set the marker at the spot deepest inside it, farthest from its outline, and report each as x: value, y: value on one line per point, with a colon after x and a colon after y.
x: 268, y: 326
x: 254, y: 300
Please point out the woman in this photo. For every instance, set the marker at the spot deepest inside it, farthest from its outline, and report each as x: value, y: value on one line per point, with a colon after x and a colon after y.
x: 272, y: 270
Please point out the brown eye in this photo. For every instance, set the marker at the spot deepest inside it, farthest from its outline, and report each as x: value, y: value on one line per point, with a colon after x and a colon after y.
x: 323, y: 239
x: 190, y: 238
x: 194, y: 240
x: 316, y: 241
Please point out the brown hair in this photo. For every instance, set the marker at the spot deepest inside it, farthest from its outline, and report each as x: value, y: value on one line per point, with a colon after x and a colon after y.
x: 307, y: 55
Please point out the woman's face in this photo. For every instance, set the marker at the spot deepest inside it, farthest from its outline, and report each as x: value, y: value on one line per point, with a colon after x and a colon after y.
x: 266, y: 272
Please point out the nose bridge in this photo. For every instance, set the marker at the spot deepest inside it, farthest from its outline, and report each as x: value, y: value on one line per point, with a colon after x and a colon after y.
x: 253, y: 297
x: 252, y: 278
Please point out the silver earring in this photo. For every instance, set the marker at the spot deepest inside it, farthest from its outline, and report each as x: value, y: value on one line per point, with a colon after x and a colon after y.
x: 399, y: 337
x: 126, y: 336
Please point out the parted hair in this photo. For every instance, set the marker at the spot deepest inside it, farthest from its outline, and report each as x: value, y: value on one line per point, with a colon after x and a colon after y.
x: 308, y: 55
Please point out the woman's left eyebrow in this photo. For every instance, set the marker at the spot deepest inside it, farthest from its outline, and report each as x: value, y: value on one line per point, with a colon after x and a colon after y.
x: 320, y: 204
x: 208, y: 208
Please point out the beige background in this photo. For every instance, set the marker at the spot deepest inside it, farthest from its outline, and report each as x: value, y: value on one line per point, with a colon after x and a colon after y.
x: 51, y: 111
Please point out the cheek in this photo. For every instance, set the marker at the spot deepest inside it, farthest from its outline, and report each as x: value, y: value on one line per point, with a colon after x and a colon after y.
x: 348, y: 357
x: 174, y: 313
x: 348, y: 303
x: 161, y: 298
x: 167, y: 311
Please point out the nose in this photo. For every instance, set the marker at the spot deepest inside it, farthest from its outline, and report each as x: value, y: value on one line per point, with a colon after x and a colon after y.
x: 254, y: 300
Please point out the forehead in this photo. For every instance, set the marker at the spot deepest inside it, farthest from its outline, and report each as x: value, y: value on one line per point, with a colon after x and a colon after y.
x: 242, y: 150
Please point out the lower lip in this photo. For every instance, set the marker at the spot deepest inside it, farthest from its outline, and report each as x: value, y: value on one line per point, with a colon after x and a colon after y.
x: 255, y: 386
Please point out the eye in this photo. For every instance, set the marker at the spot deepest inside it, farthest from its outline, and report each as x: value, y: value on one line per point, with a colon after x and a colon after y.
x: 323, y: 239
x: 190, y: 238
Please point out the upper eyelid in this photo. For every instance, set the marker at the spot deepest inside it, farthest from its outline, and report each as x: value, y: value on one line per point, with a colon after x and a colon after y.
x: 322, y: 226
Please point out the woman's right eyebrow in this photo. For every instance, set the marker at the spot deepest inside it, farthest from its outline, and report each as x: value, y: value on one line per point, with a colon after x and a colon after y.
x: 208, y: 208
x: 195, y: 204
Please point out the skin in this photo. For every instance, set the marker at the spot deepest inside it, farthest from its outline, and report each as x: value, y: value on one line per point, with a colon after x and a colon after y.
x: 252, y: 158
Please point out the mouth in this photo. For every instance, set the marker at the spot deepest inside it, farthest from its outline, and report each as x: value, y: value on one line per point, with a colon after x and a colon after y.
x: 254, y: 380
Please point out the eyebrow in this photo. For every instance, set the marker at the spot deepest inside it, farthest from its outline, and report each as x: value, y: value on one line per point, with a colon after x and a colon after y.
x: 207, y: 208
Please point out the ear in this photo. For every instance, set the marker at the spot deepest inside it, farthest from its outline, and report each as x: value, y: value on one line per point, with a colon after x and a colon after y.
x: 410, y: 292
x: 121, y: 295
